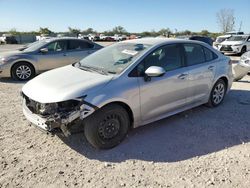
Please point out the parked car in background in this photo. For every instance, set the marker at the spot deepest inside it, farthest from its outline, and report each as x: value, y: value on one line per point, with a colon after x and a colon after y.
x: 8, y: 39
x: 234, y: 33
x: 242, y: 68
x: 236, y: 44
x: 102, y: 37
x: 44, y: 55
x: 207, y: 40
x: 126, y: 85
x: 119, y: 37
x: 219, y: 40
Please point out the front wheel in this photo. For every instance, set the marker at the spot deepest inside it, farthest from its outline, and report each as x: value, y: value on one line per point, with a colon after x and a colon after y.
x: 107, y: 127
x: 22, y: 71
x: 217, y: 94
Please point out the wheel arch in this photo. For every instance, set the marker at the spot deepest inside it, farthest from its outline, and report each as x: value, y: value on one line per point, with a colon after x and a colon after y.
x: 225, y: 79
x: 126, y: 107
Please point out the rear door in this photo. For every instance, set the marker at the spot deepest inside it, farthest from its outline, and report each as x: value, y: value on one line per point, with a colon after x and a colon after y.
x: 79, y: 49
x: 202, y: 64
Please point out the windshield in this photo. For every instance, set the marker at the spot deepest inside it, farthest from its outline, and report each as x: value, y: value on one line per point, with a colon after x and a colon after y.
x: 237, y: 38
x: 220, y: 39
x: 35, y: 46
x: 115, y: 58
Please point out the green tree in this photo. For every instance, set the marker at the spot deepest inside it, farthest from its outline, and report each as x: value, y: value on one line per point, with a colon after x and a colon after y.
x: 119, y: 30
x: 187, y: 32
x: 89, y: 31
x: 205, y: 33
x: 74, y: 31
x: 145, y: 34
x: 45, y: 31
x: 165, y: 32
x: 13, y: 31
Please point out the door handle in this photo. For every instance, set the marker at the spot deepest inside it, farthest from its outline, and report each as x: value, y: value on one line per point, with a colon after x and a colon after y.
x: 182, y: 76
x: 211, y: 68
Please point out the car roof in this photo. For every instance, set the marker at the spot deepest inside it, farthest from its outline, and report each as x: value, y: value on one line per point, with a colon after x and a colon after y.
x: 156, y: 41
x: 63, y: 38
x: 241, y: 35
x: 224, y: 36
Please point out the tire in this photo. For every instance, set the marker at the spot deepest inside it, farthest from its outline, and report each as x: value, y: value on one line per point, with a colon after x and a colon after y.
x: 107, y: 127
x: 243, y: 50
x: 27, y: 74
x: 217, y: 94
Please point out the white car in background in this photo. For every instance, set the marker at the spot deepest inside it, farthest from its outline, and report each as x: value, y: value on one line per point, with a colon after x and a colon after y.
x: 219, y: 40
x: 237, y: 44
x: 242, y: 68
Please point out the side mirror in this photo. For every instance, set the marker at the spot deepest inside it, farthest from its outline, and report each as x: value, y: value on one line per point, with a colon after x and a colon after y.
x: 155, y: 71
x: 44, y: 50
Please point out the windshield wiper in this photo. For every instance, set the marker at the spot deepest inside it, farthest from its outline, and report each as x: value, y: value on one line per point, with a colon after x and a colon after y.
x: 96, y: 69
x: 90, y: 68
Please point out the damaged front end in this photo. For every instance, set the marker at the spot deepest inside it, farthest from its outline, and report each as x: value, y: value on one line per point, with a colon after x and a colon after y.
x: 49, y: 116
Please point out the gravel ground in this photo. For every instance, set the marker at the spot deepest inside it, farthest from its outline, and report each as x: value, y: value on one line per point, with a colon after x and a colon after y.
x: 201, y: 147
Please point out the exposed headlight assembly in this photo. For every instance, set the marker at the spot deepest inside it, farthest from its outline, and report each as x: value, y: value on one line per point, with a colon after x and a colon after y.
x: 58, y: 108
x: 47, y: 109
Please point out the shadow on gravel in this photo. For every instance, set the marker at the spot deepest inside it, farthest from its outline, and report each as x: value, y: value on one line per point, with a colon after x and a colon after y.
x: 195, y: 132
x: 11, y: 81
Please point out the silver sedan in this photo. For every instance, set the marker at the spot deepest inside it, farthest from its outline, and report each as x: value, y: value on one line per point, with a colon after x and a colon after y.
x: 126, y: 85
x: 25, y: 63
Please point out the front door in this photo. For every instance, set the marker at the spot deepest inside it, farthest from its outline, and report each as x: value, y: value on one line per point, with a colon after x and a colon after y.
x: 56, y: 56
x: 167, y: 93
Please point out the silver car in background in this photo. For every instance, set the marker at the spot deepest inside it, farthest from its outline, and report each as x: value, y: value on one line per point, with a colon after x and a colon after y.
x: 126, y: 85
x: 25, y: 63
x: 242, y: 68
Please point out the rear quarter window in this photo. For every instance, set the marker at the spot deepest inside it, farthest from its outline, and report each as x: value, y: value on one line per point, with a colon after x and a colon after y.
x: 79, y: 45
x: 209, y: 55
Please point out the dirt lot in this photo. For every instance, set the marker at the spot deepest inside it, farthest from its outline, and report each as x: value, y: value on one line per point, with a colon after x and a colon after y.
x: 202, y: 147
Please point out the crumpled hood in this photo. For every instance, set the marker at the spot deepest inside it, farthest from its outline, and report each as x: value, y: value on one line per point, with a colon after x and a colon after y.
x: 64, y: 84
x: 232, y: 42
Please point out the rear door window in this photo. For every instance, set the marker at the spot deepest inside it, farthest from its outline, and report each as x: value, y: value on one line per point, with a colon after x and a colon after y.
x: 194, y: 54
x: 79, y: 45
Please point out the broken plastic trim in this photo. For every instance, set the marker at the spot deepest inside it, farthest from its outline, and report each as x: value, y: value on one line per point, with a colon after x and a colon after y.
x: 61, y: 119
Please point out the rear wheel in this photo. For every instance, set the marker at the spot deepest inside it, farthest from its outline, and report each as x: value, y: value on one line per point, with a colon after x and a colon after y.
x: 107, y: 127
x: 22, y: 71
x: 217, y: 94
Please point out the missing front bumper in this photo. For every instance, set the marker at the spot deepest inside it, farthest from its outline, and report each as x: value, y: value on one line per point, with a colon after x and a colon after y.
x: 61, y: 121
